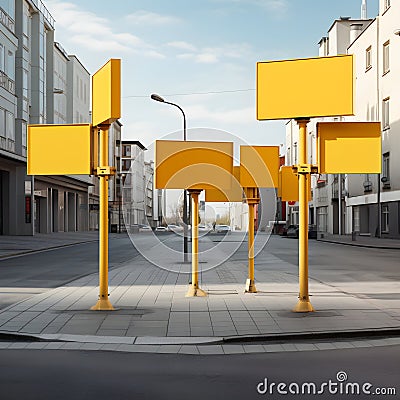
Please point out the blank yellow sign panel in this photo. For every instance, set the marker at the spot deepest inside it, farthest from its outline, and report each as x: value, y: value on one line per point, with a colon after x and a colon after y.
x: 349, y: 148
x: 288, y: 189
x: 259, y: 166
x: 106, y: 93
x: 60, y: 149
x: 234, y: 194
x: 193, y: 165
x: 313, y: 87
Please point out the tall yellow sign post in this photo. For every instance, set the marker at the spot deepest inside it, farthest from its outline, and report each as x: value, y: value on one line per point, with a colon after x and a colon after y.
x: 79, y: 144
x: 194, y: 166
x: 300, y: 89
x: 259, y: 168
x: 106, y: 98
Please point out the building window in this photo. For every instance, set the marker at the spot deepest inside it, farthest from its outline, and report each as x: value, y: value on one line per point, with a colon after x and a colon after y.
x: 356, y: 219
x: 385, y: 218
x: 368, y: 58
x: 385, y: 113
x: 322, y: 219
x: 294, y: 153
x: 386, y: 4
x: 386, y: 167
x: 386, y: 57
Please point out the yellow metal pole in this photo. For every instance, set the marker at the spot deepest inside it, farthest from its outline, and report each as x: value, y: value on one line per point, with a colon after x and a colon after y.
x: 304, y: 304
x: 194, y: 289
x: 252, y: 200
x: 103, y: 303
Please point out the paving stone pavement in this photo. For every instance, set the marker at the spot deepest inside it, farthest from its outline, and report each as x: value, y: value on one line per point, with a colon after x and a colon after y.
x: 152, y: 311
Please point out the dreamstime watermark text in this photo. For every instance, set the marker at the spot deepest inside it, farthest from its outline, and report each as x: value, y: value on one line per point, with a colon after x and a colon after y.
x: 340, y: 386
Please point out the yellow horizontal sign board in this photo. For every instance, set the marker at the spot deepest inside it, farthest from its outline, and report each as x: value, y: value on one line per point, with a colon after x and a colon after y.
x: 349, y: 147
x: 60, y: 149
x: 193, y: 165
x: 106, y: 93
x: 234, y: 194
x: 313, y: 87
x: 259, y: 166
x: 288, y: 189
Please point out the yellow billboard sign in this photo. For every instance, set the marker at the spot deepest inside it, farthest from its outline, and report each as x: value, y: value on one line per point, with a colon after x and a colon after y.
x: 60, y: 149
x: 349, y: 147
x: 234, y: 194
x: 193, y: 165
x: 106, y: 93
x: 288, y: 189
x: 259, y: 166
x: 313, y: 87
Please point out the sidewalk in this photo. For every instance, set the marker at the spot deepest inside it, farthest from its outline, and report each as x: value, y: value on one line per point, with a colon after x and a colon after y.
x: 361, y: 241
x: 15, y: 245
x: 152, y: 308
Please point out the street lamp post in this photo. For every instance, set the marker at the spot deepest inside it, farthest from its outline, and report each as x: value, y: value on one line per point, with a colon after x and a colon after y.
x: 156, y: 97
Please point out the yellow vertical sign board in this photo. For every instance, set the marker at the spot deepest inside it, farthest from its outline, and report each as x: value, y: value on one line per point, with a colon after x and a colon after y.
x: 232, y: 195
x: 304, y: 88
x: 193, y: 165
x: 288, y: 189
x: 60, y: 150
x: 349, y: 147
x: 106, y: 93
x: 259, y: 166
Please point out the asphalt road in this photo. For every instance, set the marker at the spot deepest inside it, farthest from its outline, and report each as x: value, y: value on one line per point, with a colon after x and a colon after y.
x: 23, y: 276
x: 54, y: 374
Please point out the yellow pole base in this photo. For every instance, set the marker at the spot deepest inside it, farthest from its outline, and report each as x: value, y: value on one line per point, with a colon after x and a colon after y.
x: 303, y: 306
x: 103, y: 305
x: 195, y: 292
x: 250, y: 286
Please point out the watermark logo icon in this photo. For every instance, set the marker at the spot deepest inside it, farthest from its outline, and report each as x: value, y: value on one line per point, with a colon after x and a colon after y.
x: 340, y: 386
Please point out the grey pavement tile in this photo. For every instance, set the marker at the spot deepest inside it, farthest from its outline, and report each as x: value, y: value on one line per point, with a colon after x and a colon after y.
x: 130, y: 348
x: 189, y: 349
x: 5, y: 345
x: 253, y: 348
x: 37, y: 345
x: 361, y: 343
x: 146, y: 332
x: 91, y: 346
x: 289, y: 347
x: 305, y: 346
x: 173, y: 333
x: 112, y: 332
x: 325, y: 346
x: 173, y: 349
x: 54, y: 345
x: 343, y: 345
x: 71, y: 346
x: 273, y: 348
x: 233, y: 349
x: 213, y: 349
x: 110, y: 346
x: 18, y: 345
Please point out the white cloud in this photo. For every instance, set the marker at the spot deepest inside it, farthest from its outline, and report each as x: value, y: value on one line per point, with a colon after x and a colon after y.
x: 211, y: 55
x: 142, y: 17
x: 182, y: 45
x: 92, y: 32
x: 277, y: 6
x: 201, y: 113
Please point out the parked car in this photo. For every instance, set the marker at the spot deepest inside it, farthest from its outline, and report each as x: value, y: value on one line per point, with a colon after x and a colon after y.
x: 174, y: 228
x: 222, y: 228
x: 293, y: 231
x: 144, y: 228
x: 161, y: 229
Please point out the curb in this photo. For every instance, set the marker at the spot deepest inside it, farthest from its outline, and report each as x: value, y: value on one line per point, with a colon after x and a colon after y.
x: 24, y: 253
x: 370, y: 246
x: 201, y: 340
x: 306, y: 336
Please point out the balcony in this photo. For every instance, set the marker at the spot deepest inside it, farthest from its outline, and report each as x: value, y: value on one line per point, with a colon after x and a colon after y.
x: 7, y: 83
x: 7, y: 21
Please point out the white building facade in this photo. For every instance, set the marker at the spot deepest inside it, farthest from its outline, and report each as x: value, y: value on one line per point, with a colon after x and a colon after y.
x: 367, y: 204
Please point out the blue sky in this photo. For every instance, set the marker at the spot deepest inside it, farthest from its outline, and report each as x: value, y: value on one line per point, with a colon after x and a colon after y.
x: 191, y: 47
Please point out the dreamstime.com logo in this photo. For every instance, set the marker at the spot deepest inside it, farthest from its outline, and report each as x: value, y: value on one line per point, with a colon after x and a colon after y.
x: 341, y: 386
